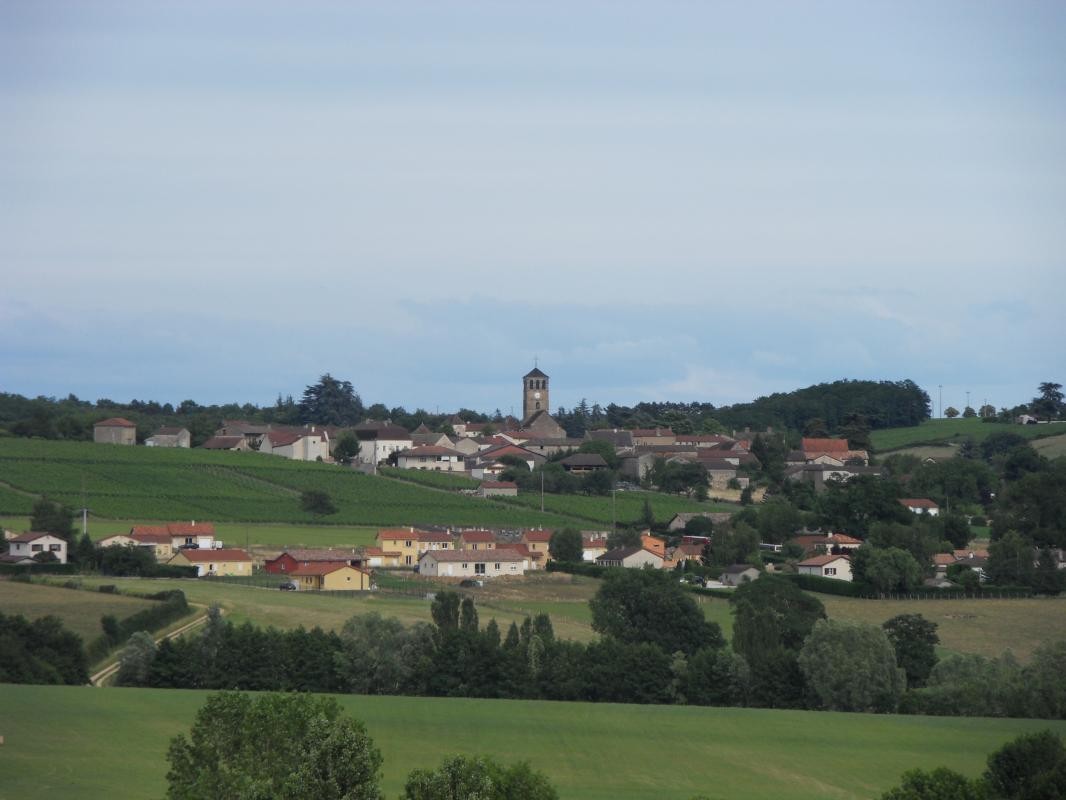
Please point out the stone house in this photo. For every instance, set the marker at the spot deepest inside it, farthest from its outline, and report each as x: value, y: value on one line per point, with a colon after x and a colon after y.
x: 115, y: 430
x: 170, y: 437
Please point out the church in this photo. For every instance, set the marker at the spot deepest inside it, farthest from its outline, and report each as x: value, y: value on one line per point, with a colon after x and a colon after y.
x: 536, y: 421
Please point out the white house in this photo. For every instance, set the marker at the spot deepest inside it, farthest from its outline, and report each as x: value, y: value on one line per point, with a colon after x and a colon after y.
x: 26, y: 547
x: 377, y: 443
x: 828, y: 566
x: 432, y: 457
x: 921, y: 505
x: 312, y: 445
x: 739, y: 574
x: 472, y: 563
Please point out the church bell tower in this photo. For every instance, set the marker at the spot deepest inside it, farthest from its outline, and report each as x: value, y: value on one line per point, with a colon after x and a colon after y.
x: 534, y: 393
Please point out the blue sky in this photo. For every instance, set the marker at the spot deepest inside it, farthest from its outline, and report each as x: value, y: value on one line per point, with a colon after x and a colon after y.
x: 663, y: 201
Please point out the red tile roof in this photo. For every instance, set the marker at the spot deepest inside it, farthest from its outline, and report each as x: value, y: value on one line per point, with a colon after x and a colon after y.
x: 114, y: 422
x: 32, y: 536
x: 537, y: 536
x: 435, y: 536
x: 918, y: 502
x: 323, y: 568
x: 825, y: 445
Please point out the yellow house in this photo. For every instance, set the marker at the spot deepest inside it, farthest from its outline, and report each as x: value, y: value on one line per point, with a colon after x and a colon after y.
x: 403, y: 541
x: 228, y: 561
x: 538, y: 541
x: 325, y: 576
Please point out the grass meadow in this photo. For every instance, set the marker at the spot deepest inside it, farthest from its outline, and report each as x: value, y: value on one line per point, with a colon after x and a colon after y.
x: 80, y: 611
x: 946, y: 431
x: 110, y: 744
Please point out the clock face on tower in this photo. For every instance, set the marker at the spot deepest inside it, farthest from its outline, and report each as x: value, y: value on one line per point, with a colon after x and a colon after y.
x: 536, y: 395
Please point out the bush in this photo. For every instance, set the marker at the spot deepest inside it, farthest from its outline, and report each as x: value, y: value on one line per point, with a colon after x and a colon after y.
x: 589, y: 570
x: 816, y: 583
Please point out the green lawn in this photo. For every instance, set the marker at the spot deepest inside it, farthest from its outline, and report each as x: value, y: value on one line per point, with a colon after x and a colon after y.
x: 80, y: 611
x: 625, y: 507
x: 985, y: 627
x: 110, y: 743
x: 940, y: 431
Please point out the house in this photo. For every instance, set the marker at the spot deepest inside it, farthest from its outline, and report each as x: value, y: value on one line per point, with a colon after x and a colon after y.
x: 29, y: 548
x: 115, y: 430
x: 476, y: 540
x: 497, y: 489
x: 584, y: 463
x: 431, y: 457
x: 160, y: 544
x: 618, y: 438
x: 720, y: 471
x: 402, y: 541
x: 538, y: 542
x: 550, y: 447
x: 229, y: 561
x: 653, y: 544
x: 170, y: 437
x: 592, y: 547
x: 472, y: 563
x: 427, y: 438
x: 240, y: 443
x: 378, y: 441
x: 822, y: 474
x: 487, y: 462
x: 653, y: 436
x: 435, y: 540
x: 630, y: 558
x: 327, y: 576
x: 827, y: 566
x: 682, y: 553
x: 196, y: 535
x: 920, y: 505
x: 310, y: 445
x: 117, y: 540
x: 290, y: 560
x: 739, y: 574
x: 814, y: 446
x: 821, y: 543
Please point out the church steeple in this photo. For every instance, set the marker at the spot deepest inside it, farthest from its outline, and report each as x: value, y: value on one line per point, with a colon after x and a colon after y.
x: 534, y: 393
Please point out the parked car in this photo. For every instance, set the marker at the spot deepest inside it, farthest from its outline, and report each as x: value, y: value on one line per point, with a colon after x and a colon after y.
x: 288, y: 586
x: 192, y: 546
x: 470, y: 583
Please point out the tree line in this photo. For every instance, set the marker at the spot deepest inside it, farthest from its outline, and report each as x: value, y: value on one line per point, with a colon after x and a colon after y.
x: 655, y: 647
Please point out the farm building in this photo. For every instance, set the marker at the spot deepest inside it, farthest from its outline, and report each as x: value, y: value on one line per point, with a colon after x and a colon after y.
x: 169, y: 437
x: 115, y: 430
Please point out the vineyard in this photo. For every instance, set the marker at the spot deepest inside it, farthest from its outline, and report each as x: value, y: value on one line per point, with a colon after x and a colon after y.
x: 435, y: 480
x: 625, y: 508
x: 139, y: 483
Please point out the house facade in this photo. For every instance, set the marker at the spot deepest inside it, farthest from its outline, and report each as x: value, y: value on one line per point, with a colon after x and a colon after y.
x: 921, y: 505
x: 472, y: 563
x: 325, y: 576
x: 739, y: 574
x: 29, y: 547
x: 630, y: 558
x: 169, y: 437
x: 827, y: 566
x: 229, y: 561
x: 115, y: 430
x: 433, y: 458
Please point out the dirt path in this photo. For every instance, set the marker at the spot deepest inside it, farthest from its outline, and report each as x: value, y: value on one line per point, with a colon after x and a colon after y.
x: 101, y: 677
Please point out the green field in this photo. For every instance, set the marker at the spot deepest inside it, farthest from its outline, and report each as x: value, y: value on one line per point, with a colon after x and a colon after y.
x: 110, y: 743
x: 984, y: 627
x: 941, y: 431
x: 80, y: 611
x: 141, y: 483
x: 449, y: 481
x: 625, y: 507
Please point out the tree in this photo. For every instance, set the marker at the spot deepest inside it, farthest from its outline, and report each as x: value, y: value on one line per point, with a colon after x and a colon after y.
x: 478, y: 778
x: 1010, y: 561
x: 346, y: 449
x: 1046, y: 577
x: 969, y: 412
x: 1021, y: 768
x: 951, y: 412
x: 331, y: 402
x: 55, y: 518
x: 317, y: 503
x: 283, y: 746
x: 851, y: 666
x: 716, y: 678
x: 135, y: 663
x: 641, y: 605
x: 956, y: 529
x: 914, y: 638
x: 938, y: 784
x: 1048, y: 403
x: 566, y: 545
x: 886, y: 570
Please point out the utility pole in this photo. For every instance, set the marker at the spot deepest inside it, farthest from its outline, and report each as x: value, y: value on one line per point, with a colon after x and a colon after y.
x: 941, y: 388
x: 542, y: 490
x: 614, y: 517
x: 967, y: 399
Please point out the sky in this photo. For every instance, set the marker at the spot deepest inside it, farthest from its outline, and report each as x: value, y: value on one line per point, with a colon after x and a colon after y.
x: 690, y: 201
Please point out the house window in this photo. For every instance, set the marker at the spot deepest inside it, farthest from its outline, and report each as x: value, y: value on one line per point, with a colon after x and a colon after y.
x: 407, y: 560
x: 466, y: 566
x: 36, y: 548
x: 407, y: 543
x: 830, y: 570
x: 479, y: 569
x: 55, y: 548
x: 497, y: 567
